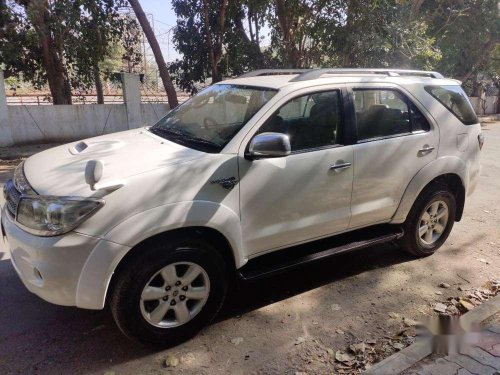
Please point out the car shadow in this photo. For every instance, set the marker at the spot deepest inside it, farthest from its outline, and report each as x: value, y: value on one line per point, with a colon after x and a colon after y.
x: 248, y: 296
x: 90, y: 340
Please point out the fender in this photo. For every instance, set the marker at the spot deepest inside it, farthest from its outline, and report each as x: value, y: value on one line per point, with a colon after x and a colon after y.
x: 99, y: 268
x: 436, y: 168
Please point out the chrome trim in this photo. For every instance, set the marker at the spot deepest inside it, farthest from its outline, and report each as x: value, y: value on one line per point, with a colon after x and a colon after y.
x: 341, y: 166
x: 426, y: 149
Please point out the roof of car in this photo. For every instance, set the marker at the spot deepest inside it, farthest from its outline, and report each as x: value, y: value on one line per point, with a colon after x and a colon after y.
x: 314, y: 77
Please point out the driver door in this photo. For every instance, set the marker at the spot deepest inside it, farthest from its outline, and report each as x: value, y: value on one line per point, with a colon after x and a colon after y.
x: 307, y: 194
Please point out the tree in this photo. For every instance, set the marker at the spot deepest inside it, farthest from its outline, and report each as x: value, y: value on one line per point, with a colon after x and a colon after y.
x: 467, y: 33
x: 58, y: 42
x: 155, y: 47
x: 219, y: 45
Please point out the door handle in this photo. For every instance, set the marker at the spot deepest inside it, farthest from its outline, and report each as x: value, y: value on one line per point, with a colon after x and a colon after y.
x: 340, y: 167
x: 426, y: 149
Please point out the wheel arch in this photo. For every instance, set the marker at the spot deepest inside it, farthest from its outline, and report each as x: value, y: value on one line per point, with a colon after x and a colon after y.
x: 214, y: 237
x: 201, y: 218
x: 448, y: 171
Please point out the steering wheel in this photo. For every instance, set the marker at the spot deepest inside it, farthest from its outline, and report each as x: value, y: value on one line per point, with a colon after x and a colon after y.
x: 209, y: 123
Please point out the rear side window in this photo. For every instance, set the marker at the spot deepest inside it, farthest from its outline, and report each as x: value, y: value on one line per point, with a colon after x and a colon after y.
x: 455, y: 100
x: 382, y: 113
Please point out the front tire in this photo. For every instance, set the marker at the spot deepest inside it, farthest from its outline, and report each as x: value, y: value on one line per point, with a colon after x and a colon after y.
x: 429, y: 222
x: 167, y: 292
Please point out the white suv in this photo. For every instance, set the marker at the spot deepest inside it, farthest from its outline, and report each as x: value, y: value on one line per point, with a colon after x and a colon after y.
x: 252, y: 176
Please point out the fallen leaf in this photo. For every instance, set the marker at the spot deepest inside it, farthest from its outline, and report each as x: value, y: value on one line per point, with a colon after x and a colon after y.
x: 439, y: 293
x: 440, y: 308
x: 466, y: 305
x: 188, y: 358
x: 171, y: 361
x: 358, y: 348
x: 398, y: 345
x: 335, y: 307
x: 410, y: 322
x: 343, y: 356
x: 300, y: 340
x: 237, y: 340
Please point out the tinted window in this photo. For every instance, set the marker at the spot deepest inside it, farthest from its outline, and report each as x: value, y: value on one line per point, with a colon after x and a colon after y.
x: 311, y: 121
x: 455, y: 100
x: 386, y: 113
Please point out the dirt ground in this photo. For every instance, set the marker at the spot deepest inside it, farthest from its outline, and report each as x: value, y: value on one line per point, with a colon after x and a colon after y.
x: 290, y: 324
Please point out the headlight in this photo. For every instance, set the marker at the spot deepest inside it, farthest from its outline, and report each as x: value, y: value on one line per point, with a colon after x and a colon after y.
x: 52, y: 216
x: 20, y: 181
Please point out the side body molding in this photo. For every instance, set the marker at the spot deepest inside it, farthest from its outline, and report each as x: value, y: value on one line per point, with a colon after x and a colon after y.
x: 118, y: 241
x: 436, y: 168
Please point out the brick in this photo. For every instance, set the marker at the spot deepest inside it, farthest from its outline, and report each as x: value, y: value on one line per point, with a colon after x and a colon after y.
x: 484, y: 357
x: 440, y: 367
x: 470, y: 364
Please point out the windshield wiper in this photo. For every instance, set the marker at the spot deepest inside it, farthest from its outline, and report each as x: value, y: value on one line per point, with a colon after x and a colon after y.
x: 181, y: 136
x: 199, y: 140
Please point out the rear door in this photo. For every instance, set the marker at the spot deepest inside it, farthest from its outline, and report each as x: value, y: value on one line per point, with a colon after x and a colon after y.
x: 393, y: 141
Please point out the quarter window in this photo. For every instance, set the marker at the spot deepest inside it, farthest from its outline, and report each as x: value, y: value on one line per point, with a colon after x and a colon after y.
x: 455, y: 100
x: 384, y: 113
x: 311, y: 121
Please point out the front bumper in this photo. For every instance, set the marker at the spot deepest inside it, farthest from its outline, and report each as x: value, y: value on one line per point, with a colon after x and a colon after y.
x: 49, y: 267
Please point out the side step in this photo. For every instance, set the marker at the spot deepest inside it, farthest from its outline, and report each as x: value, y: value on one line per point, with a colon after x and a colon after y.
x: 286, y: 259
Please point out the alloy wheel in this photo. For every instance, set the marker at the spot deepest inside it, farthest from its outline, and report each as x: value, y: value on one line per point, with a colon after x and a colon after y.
x: 175, y: 294
x: 433, y: 222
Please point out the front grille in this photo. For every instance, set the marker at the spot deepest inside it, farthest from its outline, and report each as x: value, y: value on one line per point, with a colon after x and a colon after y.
x: 12, y: 197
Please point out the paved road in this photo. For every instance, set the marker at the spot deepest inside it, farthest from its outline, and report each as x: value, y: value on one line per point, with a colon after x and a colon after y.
x: 330, y: 305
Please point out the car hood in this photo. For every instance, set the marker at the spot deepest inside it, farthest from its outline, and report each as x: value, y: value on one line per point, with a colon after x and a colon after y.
x: 61, y: 170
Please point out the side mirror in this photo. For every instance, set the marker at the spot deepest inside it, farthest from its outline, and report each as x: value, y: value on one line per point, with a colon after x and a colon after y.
x: 269, y: 145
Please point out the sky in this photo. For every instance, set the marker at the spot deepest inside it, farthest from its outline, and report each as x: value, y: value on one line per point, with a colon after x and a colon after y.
x: 163, y: 18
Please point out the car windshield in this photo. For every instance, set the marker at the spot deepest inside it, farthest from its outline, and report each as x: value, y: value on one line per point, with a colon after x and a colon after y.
x: 210, y: 119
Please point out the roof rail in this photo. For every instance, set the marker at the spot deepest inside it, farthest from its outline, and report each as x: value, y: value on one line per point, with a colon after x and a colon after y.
x: 273, y: 72
x: 317, y: 73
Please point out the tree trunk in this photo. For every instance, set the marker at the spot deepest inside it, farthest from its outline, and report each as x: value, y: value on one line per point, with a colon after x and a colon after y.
x: 415, y: 7
x: 98, y: 84
x: 292, y: 54
x: 155, y: 47
x: 215, y: 48
x: 251, y: 42
x: 57, y: 76
x: 211, y: 52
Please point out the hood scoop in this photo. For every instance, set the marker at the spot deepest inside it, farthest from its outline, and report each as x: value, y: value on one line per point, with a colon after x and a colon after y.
x: 95, y: 147
x: 78, y: 148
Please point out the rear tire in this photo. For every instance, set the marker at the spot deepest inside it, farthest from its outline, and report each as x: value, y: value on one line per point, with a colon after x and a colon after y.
x: 154, y: 300
x: 429, y: 222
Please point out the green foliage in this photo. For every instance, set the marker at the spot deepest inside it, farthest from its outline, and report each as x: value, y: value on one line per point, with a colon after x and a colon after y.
x: 84, y: 36
x: 455, y: 37
x: 240, y: 52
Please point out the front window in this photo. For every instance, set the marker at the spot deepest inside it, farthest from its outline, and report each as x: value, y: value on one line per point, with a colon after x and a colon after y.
x: 209, y: 120
x: 311, y: 121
